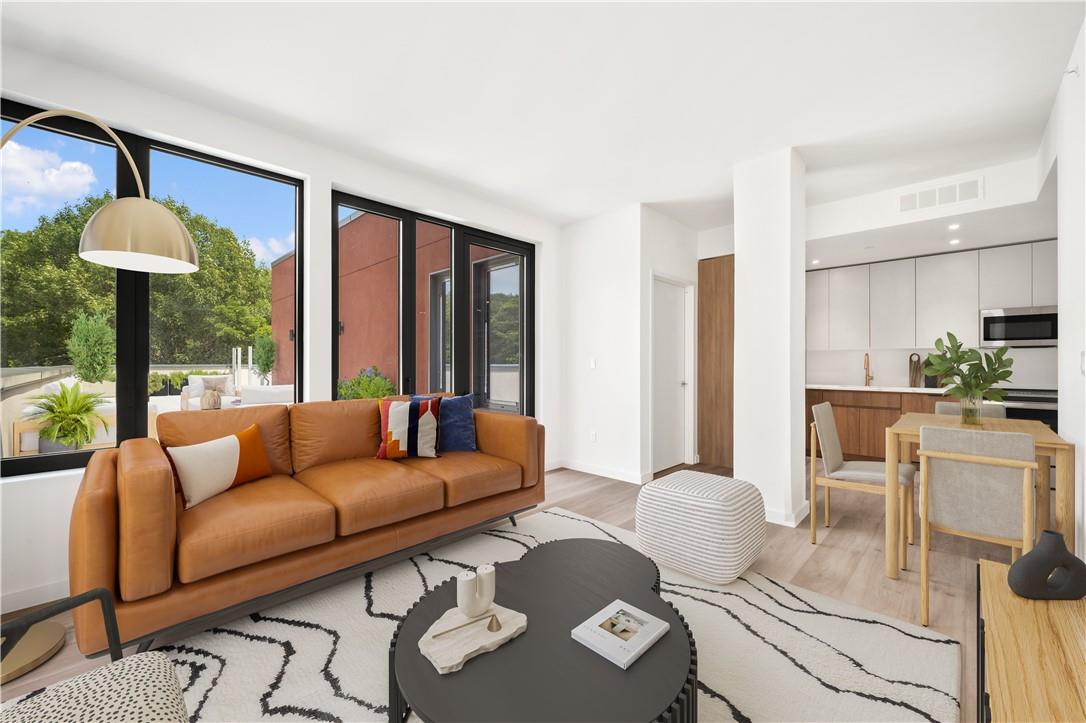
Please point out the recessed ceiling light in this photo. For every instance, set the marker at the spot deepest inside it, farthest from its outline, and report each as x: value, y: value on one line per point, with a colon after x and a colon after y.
x: 955, y: 241
x: 954, y: 227
x: 815, y: 262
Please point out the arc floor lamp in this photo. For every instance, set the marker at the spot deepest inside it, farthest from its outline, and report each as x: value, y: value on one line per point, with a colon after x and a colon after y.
x: 128, y: 233
x: 136, y: 234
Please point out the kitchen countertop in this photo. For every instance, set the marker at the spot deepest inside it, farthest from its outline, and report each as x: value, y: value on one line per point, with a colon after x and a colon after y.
x: 861, y: 388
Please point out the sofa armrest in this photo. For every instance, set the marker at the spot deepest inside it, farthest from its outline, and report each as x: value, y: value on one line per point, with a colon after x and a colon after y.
x: 147, y: 519
x: 92, y: 545
x: 510, y: 437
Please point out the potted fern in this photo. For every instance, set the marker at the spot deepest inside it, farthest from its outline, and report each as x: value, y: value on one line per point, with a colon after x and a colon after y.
x: 970, y: 376
x: 70, y: 416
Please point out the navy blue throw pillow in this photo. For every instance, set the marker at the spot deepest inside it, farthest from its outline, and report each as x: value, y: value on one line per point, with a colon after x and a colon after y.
x: 456, y: 425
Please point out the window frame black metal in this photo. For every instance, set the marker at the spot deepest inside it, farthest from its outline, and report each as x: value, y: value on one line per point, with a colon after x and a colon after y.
x: 133, y: 287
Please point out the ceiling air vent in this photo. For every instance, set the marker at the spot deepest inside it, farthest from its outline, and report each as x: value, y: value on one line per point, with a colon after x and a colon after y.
x: 941, y: 196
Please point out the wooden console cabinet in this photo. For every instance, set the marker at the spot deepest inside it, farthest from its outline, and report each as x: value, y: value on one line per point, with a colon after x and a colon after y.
x: 1031, y: 654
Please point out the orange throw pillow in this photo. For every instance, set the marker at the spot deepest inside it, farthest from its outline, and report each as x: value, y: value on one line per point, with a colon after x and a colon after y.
x: 210, y: 468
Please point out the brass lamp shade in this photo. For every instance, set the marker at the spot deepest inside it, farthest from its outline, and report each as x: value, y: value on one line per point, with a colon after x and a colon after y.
x: 139, y: 235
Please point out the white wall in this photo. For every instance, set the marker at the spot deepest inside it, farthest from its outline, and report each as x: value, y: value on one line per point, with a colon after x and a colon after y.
x: 601, y: 329
x: 719, y: 241
x: 1063, y: 146
x: 668, y: 250
x: 46, y: 82
x: 770, y: 297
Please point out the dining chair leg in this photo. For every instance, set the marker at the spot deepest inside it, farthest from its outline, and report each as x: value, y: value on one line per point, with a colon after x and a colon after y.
x: 925, y: 543
x: 902, y: 551
x: 827, y: 506
x: 814, y: 513
x: 814, y: 485
x: 910, y: 512
x: 1014, y: 555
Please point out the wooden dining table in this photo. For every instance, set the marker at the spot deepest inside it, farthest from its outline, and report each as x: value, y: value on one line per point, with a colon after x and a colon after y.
x: 1049, y: 446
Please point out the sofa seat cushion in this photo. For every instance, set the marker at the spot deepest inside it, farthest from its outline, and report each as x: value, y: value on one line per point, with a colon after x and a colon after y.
x: 469, y: 475
x: 250, y: 523
x: 369, y: 493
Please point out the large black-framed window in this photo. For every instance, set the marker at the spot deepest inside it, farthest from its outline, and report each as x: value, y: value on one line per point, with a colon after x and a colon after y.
x: 132, y: 305
x: 448, y: 307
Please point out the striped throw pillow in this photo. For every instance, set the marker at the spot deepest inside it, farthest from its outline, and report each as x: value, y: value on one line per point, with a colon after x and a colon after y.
x: 210, y: 468
x: 409, y: 429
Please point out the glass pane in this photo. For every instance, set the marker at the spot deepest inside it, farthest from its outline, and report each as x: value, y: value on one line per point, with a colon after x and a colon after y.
x: 234, y: 318
x: 369, y: 304
x: 57, y: 324
x: 433, y: 308
x: 496, y: 328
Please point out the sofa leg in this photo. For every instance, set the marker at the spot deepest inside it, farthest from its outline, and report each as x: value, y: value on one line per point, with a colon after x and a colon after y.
x: 513, y: 519
x: 145, y: 645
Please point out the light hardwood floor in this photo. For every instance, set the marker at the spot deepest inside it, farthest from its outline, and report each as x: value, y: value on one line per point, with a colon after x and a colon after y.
x: 846, y: 564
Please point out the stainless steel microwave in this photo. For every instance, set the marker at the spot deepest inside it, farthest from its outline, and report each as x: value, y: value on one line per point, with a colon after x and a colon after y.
x: 1022, y: 326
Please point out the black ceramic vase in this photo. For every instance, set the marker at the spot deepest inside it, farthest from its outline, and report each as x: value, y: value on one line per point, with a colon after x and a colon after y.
x: 1049, y: 571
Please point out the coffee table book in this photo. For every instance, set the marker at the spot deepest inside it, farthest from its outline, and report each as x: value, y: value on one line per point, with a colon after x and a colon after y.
x: 620, y: 633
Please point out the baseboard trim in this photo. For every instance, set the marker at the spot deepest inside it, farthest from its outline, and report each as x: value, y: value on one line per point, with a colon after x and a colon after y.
x: 788, y: 518
x: 602, y: 471
x: 31, y: 596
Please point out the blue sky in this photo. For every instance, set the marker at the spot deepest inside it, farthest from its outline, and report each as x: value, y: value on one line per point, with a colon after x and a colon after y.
x: 43, y: 170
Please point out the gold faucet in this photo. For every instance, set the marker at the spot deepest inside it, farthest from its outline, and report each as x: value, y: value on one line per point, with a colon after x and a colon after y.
x: 868, y: 376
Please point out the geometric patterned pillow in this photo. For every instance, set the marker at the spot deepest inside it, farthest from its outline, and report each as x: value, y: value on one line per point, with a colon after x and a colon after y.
x: 140, y: 687
x: 409, y: 429
x: 209, y: 468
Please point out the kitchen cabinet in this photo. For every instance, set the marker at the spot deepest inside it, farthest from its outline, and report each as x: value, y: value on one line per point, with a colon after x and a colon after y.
x: 893, y: 305
x: 947, y: 298
x: 1044, y: 273
x: 1006, y: 276
x: 849, y: 307
x: 862, y: 418
x: 818, y: 310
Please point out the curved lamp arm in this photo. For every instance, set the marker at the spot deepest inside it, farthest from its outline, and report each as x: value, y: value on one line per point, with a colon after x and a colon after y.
x: 84, y: 117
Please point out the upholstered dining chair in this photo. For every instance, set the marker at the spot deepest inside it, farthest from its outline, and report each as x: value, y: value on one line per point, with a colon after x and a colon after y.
x: 857, y: 476
x: 978, y: 485
x: 992, y: 411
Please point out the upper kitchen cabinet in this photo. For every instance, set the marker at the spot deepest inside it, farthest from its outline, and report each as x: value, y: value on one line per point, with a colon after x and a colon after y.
x: 1044, y: 273
x: 849, y: 308
x: 818, y: 310
x: 1006, y: 276
x: 947, y: 296
x: 893, y: 305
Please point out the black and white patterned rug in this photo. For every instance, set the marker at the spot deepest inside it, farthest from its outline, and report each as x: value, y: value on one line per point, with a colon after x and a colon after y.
x: 766, y: 651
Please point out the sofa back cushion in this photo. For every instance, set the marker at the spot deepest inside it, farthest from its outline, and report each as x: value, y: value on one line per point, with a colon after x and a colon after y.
x: 180, y: 429
x: 324, y: 432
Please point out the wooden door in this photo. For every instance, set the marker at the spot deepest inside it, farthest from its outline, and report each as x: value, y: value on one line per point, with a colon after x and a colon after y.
x: 716, y: 334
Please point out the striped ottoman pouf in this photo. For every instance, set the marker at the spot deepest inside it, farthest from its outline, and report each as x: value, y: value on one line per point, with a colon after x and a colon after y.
x: 705, y: 525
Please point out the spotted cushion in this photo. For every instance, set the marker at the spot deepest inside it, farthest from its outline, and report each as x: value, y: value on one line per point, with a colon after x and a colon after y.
x: 139, y: 688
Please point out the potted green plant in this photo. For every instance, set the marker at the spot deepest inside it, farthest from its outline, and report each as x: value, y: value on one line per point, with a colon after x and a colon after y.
x: 156, y: 384
x: 264, y: 355
x: 970, y: 376
x: 369, y: 384
x: 92, y: 347
x: 70, y: 416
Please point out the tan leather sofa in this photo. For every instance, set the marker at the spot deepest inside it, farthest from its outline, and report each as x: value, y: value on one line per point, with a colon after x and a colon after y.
x: 328, y: 506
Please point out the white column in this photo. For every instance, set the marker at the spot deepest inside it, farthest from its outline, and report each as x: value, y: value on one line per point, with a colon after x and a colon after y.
x: 770, y: 233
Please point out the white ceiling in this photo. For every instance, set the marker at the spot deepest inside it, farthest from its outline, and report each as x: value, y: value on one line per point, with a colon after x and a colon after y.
x: 994, y: 227
x: 569, y: 110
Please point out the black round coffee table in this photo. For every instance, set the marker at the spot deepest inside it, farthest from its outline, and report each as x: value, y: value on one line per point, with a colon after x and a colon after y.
x: 544, y: 674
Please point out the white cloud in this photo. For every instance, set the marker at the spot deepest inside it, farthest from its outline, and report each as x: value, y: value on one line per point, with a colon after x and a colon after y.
x: 33, y: 178
x: 269, y: 249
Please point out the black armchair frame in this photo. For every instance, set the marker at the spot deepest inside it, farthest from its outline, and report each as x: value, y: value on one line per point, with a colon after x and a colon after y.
x: 14, y: 630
